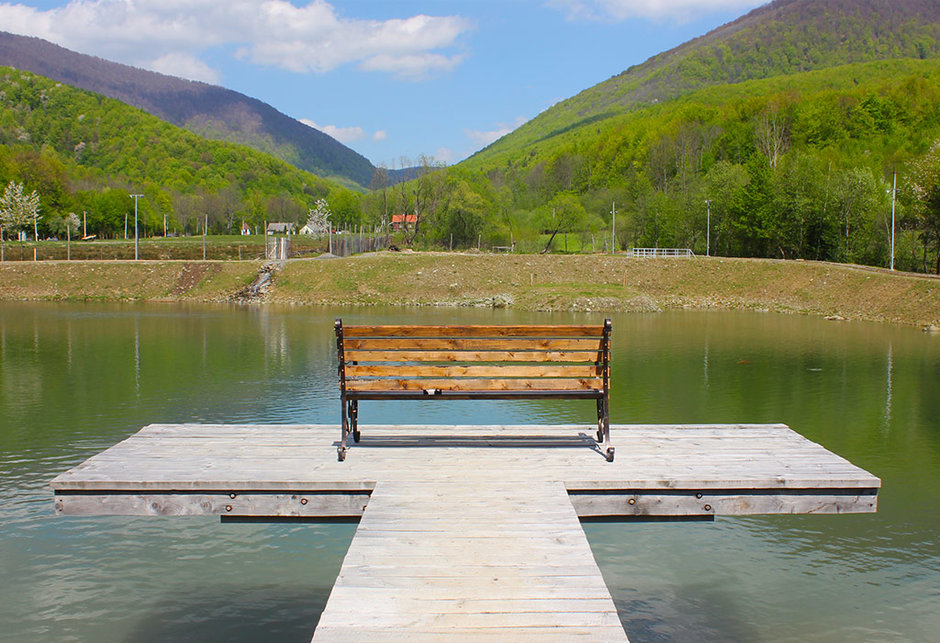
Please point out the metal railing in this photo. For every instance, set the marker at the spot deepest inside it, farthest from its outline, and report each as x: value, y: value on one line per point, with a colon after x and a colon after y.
x: 659, y: 252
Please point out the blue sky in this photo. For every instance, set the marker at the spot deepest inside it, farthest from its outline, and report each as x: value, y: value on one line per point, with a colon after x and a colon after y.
x: 392, y: 79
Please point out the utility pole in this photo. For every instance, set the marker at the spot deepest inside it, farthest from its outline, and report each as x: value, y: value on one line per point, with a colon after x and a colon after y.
x: 894, y: 194
x: 613, y: 227
x: 205, y: 227
x: 84, y: 229
x: 708, y: 227
x: 136, y: 236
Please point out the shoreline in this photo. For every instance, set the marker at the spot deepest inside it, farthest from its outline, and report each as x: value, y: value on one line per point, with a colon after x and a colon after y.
x: 579, y: 283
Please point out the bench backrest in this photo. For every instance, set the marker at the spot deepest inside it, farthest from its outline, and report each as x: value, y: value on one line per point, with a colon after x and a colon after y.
x: 474, y: 358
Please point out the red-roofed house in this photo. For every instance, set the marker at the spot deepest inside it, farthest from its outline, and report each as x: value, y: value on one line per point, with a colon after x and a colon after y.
x: 400, y: 221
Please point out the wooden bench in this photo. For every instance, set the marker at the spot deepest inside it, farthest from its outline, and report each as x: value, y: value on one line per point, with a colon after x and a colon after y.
x: 473, y: 363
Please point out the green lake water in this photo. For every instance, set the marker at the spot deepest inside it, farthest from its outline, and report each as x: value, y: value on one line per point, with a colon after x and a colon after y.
x: 75, y: 379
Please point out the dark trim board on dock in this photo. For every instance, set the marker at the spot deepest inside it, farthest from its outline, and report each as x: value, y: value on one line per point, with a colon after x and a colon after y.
x: 466, y: 530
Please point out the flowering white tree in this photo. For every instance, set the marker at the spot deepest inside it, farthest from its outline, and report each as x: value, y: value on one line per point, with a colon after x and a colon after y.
x: 319, y: 221
x: 18, y: 210
x: 72, y: 222
x: 924, y: 188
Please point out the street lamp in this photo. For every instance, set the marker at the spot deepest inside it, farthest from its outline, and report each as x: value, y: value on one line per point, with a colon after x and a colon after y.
x: 708, y: 227
x: 613, y: 227
x: 894, y: 194
x: 136, y: 237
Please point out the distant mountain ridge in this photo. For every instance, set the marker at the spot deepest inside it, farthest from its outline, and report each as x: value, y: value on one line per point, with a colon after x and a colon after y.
x: 207, y: 110
x: 780, y: 38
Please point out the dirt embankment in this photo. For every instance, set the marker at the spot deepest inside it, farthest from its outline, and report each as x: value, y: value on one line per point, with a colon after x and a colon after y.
x: 124, y: 280
x: 602, y: 282
x: 531, y: 282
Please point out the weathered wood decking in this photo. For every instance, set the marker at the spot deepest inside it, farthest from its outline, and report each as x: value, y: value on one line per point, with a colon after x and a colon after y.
x: 466, y: 531
x: 478, y: 559
x: 291, y: 470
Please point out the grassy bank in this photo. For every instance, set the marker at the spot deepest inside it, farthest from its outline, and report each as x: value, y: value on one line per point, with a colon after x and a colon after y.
x: 595, y: 283
x: 125, y: 280
x: 601, y: 283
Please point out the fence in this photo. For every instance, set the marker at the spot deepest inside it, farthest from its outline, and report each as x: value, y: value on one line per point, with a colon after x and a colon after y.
x: 653, y: 253
x: 352, y: 243
x: 277, y: 248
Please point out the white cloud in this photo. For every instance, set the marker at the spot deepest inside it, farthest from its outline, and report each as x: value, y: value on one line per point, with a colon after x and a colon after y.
x: 380, y: 135
x: 341, y: 134
x: 482, y: 138
x: 415, y: 66
x: 675, y: 10
x: 444, y: 155
x: 171, y: 34
x: 185, y: 66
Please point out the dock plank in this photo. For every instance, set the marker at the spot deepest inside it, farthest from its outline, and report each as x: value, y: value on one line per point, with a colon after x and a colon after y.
x: 394, y: 543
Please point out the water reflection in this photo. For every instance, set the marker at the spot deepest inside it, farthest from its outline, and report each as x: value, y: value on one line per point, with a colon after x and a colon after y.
x: 75, y: 379
x: 888, y: 387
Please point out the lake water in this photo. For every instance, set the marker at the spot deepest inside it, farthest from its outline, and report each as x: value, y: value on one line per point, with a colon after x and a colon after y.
x: 75, y: 379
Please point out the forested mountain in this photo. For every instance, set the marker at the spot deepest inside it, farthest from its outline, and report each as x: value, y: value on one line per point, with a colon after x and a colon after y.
x: 81, y: 151
x: 210, y: 111
x: 777, y: 135
x: 781, y: 38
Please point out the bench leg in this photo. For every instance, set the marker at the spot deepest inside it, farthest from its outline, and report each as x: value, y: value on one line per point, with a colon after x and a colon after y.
x: 600, y: 421
x: 603, y: 429
x: 354, y: 420
x: 341, y: 449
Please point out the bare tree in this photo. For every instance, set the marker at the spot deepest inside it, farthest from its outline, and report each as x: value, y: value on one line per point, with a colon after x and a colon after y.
x: 228, y: 202
x: 380, y: 181
x: 772, y: 135
x: 428, y: 190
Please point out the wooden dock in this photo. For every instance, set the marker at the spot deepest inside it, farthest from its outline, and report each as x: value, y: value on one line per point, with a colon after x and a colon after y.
x: 466, y: 531
x: 481, y: 558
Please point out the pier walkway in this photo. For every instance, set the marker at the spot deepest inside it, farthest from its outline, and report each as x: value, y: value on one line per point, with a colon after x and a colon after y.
x: 466, y: 531
x: 479, y: 560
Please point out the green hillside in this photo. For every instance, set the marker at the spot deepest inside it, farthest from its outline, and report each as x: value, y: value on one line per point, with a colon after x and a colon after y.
x: 781, y: 38
x: 206, y: 110
x: 885, y: 111
x: 81, y: 152
x: 777, y: 135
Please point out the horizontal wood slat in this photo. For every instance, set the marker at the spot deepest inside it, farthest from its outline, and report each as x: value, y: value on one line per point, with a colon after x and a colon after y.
x: 411, y: 371
x: 470, y: 356
x: 474, y: 331
x: 476, y: 385
x: 472, y: 344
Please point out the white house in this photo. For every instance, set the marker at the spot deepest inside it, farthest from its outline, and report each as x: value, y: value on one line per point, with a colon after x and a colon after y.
x: 282, y: 228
